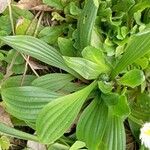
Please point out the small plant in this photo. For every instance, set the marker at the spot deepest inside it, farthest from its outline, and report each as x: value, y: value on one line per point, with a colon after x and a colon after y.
x: 102, y: 49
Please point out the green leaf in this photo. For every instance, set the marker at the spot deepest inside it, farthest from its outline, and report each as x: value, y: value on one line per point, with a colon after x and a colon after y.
x: 141, y: 107
x: 58, y: 146
x: 77, y: 145
x: 4, y: 143
x: 87, y: 69
x: 54, y: 3
x: 26, y: 102
x: 37, y: 49
x: 2, y: 57
x: 18, y: 69
x: 96, y: 38
x: 4, y: 129
x: 132, y: 78
x: 17, y: 12
x: 140, y: 6
x: 5, y: 24
x: 22, y: 26
x: 74, y: 9
x: 101, y: 126
x: 105, y: 87
x: 56, y: 117
x: 123, y: 5
x: 140, y: 110
x: 72, y: 87
x: 114, y: 137
x: 56, y: 16
x: 51, y: 34
x: 121, y: 109
x: 137, y: 46
x: 92, y: 123
x: 96, y: 55
x: 110, y: 98
x: 66, y: 46
x: 53, y: 82
x: 86, y: 23
x: 16, y: 81
x: 11, y: 54
x: 142, y: 62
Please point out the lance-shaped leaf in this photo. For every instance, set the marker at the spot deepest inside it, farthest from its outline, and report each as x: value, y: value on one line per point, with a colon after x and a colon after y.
x: 4, y: 129
x: 15, y: 81
x: 101, y: 126
x: 92, y: 123
x: 132, y: 78
x: 138, y: 46
x: 38, y: 49
x: 56, y: 117
x: 53, y: 82
x: 114, y: 137
x: 26, y: 102
x: 86, y: 23
x: 87, y: 69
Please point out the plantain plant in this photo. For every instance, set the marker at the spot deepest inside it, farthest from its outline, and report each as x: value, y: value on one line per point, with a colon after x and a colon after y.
x: 103, y: 86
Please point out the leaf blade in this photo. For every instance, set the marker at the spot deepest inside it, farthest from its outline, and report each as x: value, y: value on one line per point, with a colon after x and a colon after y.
x: 53, y: 81
x: 138, y: 46
x: 61, y: 111
x: 38, y: 49
x: 87, y: 69
x: 92, y: 123
x: 26, y: 102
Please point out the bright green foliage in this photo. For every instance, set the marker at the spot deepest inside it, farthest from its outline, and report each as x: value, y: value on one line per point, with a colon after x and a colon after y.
x: 114, y: 137
x: 61, y: 111
x: 87, y: 69
x: 17, y: 81
x: 96, y: 82
x: 86, y: 23
x: 77, y: 145
x: 139, y: 113
x: 66, y: 46
x: 92, y: 123
x: 4, y: 143
x: 95, y: 55
x: 101, y: 125
x: 51, y: 34
x: 105, y: 87
x: 16, y: 133
x: 53, y: 82
x: 138, y: 46
x: 26, y: 102
x: 111, y: 98
x: 121, y: 109
x: 132, y: 78
x: 38, y: 49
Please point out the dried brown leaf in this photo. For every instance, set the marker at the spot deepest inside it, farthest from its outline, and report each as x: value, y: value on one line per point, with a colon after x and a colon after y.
x: 33, y: 5
x: 37, y: 66
x: 3, y: 5
x: 42, y: 8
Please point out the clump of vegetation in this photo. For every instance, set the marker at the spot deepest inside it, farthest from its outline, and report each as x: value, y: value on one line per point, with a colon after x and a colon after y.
x: 76, y: 72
